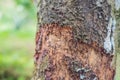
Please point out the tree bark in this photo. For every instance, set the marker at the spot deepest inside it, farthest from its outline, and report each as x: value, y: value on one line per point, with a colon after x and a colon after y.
x: 74, y: 40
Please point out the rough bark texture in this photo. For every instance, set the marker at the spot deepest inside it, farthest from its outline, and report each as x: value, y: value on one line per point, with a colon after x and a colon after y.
x: 74, y: 40
x: 91, y: 20
x: 60, y: 57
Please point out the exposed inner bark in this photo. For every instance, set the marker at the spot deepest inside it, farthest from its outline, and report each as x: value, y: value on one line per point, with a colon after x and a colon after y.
x: 60, y: 57
x: 91, y: 20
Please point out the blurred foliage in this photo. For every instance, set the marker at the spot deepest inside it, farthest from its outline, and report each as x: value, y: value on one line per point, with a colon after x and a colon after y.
x: 16, y: 13
x: 16, y: 55
x: 17, y: 33
x: 27, y: 6
x: 117, y: 15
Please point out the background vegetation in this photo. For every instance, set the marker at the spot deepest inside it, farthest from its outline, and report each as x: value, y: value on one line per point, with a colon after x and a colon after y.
x: 17, y: 34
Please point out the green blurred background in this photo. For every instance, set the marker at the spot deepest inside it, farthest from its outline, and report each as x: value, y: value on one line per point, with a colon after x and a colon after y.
x: 17, y: 40
x: 17, y: 34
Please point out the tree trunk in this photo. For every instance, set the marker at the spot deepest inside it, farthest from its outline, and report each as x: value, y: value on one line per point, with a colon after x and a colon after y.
x: 74, y: 40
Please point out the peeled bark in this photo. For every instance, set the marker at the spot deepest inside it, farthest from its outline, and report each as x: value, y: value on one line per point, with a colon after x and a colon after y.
x: 74, y: 40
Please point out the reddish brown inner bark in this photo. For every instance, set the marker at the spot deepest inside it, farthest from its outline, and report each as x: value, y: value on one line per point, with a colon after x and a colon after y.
x: 66, y: 56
